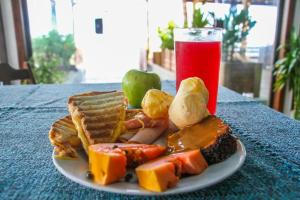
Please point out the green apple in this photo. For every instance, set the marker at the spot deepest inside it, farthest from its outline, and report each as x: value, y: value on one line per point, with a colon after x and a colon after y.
x: 136, y: 83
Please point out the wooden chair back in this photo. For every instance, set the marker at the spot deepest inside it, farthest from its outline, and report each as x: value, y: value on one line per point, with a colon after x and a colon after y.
x: 8, y: 74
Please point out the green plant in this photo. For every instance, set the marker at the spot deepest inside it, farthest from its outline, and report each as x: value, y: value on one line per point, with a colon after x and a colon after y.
x: 237, y: 27
x: 199, y: 21
x: 48, y: 72
x: 167, y: 36
x: 50, y: 53
x: 287, y: 70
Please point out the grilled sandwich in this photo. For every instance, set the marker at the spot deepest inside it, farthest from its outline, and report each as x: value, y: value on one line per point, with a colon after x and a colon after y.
x: 98, y: 116
x: 63, y: 136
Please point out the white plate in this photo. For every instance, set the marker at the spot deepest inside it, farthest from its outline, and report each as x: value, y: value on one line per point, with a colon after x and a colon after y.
x: 76, y: 171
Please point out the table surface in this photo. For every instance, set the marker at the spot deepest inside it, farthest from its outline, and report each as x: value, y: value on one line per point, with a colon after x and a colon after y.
x: 271, y: 169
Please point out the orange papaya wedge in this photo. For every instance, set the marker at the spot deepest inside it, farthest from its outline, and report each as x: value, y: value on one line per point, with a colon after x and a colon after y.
x: 108, y: 161
x: 160, y: 174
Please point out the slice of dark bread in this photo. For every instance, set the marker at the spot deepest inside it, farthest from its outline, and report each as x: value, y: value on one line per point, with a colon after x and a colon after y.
x: 223, y: 148
x: 212, y: 136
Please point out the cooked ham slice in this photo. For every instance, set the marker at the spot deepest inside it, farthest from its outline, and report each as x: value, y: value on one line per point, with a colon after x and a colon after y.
x: 150, y: 129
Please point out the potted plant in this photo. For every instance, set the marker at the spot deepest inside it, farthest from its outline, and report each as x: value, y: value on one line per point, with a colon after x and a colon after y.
x: 239, y: 73
x: 199, y: 20
x: 287, y: 70
x: 167, y: 45
x: 167, y: 38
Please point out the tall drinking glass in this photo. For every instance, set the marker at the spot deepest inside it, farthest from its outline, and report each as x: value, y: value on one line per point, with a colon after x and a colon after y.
x: 198, y: 53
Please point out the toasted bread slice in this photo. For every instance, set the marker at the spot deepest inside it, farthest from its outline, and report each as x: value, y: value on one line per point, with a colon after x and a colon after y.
x: 63, y: 135
x: 97, y: 116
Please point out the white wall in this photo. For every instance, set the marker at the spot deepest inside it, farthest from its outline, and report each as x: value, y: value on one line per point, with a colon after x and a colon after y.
x: 9, y: 31
x: 108, y: 56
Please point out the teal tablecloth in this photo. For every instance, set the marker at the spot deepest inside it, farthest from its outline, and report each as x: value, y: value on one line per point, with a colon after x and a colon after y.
x: 271, y: 169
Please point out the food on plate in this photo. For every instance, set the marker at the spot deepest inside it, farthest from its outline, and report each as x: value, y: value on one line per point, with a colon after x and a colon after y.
x: 163, y: 173
x: 129, y: 132
x: 116, y: 138
x: 156, y: 103
x: 140, y: 120
x: 132, y: 113
x: 136, y: 83
x: 97, y: 116
x: 63, y: 136
x: 149, y: 129
x: 212, y: 136
x: 149, y: 135
x: 108, y: 161
x: 190, y: 103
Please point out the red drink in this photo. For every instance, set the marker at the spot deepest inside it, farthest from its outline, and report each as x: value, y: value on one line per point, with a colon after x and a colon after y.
x: 200, y: 59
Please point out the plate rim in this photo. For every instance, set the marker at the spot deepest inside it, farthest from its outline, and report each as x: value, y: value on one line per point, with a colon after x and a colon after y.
x: 192, y: 188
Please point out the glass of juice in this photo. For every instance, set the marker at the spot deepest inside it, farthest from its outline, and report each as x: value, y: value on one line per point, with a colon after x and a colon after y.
x: 198, y: 54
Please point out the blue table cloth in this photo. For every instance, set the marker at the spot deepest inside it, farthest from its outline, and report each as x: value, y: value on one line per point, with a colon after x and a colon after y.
x: 271, y: 169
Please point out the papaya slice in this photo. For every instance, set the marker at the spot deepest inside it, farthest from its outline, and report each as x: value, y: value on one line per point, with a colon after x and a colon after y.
x: 160, y: 174
x: 192, y: 162
x: 108, y: 161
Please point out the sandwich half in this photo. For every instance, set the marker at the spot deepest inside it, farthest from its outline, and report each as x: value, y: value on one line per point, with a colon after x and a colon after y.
x: 98, y: 116
x: 63, y: 136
